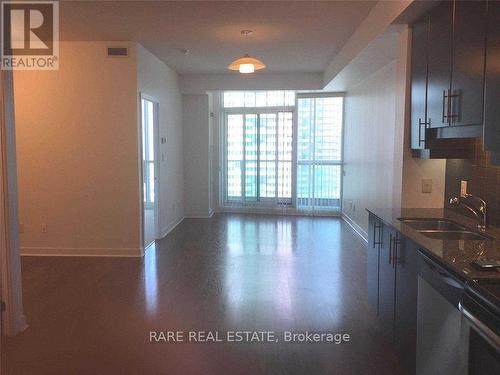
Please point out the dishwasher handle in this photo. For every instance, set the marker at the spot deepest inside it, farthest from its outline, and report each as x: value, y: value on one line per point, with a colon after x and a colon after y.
x: 482, y: 329
x: 440, y: 273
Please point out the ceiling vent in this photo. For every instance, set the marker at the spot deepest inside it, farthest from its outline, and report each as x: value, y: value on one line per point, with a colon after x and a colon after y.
x: 118, y: 51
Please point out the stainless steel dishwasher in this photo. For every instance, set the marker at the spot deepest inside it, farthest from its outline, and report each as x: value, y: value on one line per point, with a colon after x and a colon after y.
x: 439, y: 348
x: 480, y: 307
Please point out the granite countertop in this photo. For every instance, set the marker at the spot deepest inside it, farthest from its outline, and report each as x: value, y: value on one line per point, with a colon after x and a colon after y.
x: 454, y: 255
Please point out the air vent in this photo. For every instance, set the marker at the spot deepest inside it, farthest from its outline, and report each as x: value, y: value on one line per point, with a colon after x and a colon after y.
x: 118, y: 51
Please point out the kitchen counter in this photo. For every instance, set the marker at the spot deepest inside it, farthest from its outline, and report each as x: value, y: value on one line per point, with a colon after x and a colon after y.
x: 454, y: 255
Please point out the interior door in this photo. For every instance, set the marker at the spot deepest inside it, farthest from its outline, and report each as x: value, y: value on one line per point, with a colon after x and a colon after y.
x: 150, y: 148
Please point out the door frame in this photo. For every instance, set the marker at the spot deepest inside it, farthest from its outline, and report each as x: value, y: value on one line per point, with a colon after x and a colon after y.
x: 156, y: 136
x: 13, y: 319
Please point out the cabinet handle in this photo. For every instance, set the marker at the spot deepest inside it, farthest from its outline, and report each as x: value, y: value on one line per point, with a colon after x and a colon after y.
x: 448, y: 98
x: 455, y: 103
x: 396, y: 259
x: 379, y: 227
x: 420, y: 124
x: 444, y: 116
x: 374, y: 231
x: 390, y: 249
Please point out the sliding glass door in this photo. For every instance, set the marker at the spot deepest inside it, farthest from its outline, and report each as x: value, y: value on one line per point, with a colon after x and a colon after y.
x: 259, y: 157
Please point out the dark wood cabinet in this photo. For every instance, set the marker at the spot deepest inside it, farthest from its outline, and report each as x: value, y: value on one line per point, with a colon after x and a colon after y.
x: 467, y: 77
x: 392, y: 287
x: 492, y: 83
x: 454, y: 91
x: 405, y: 329
x: 387, y: 280
x: 440, y: 60
x: 375, y: 230
x: 419, y: 46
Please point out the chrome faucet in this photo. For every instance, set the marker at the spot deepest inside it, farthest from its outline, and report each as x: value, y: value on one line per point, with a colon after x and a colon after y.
x: 479, y: 212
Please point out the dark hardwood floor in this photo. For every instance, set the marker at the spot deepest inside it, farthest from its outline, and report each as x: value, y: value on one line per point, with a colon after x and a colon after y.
x: 232, y: 272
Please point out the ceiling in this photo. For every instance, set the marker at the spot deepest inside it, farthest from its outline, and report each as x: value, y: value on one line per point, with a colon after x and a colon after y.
x: 289, y: 36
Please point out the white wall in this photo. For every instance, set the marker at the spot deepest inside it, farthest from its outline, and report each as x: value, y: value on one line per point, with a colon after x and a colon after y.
x: 369, y: 122
x: 201, y: 83
x: 197, y: 160
x: 413, y: 169
x: 380, y: 171
x: 159, y: 81
x: 77, y: 143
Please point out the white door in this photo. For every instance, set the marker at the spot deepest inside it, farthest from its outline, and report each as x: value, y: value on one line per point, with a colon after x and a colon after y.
x: 150, y: 170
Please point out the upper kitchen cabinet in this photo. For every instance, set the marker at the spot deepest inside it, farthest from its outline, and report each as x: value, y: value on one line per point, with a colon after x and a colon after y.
x: 456, y: 63
x: 439, y: 63
x: 419, y: 44
x: 451, y: 55
x: 467, y: 78
x: 492, y: 84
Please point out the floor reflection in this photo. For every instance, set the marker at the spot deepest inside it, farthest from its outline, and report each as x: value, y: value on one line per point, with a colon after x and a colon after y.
x: 151, y: 279
x: 230, y: 272
x: 273, y: 265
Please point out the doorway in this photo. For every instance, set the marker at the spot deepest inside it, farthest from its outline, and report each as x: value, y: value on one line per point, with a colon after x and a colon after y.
x: 150, y: 169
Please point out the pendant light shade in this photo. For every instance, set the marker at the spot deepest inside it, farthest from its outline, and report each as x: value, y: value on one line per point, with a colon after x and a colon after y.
x: 246, y: 64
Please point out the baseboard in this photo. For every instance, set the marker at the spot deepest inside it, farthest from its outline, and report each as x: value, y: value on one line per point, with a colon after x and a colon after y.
x: 81, y: 252
x: 198, y: 215
x: 355, y: 227
x: 277, y: 211
x: 171, y: 227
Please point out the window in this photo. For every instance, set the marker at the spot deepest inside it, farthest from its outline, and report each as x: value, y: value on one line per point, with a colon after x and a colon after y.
x: 268, y: 162
x: 319, y: 152
x: 252, y: 99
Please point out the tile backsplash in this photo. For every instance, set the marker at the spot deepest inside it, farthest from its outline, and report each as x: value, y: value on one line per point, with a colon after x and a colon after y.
x: 483, y: 180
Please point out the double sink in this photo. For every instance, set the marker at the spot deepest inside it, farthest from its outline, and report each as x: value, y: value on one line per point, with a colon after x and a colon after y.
x: 442, y: 229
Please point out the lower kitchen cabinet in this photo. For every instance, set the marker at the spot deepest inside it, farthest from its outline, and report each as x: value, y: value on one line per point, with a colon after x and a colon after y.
x: 392, y: 287
x: 406, y: 296
x: 387, y: 277
x: 375, y: 227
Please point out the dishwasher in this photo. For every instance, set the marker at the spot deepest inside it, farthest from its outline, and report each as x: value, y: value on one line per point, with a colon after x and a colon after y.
x: 439, y: 348
x: 480, y: 307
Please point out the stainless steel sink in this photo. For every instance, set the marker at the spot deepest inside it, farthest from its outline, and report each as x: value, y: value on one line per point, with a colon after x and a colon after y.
x: 442, y: 229
x: 455, y: 235
x: 433, y: 224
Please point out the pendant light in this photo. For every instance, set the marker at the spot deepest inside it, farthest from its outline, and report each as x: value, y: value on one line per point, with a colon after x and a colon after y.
x: 246, y: 64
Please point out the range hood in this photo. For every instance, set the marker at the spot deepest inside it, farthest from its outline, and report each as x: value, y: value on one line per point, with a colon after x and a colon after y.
x: 451, y: 142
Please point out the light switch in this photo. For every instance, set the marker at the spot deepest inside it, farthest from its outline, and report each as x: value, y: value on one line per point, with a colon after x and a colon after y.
x: 426, y: 185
